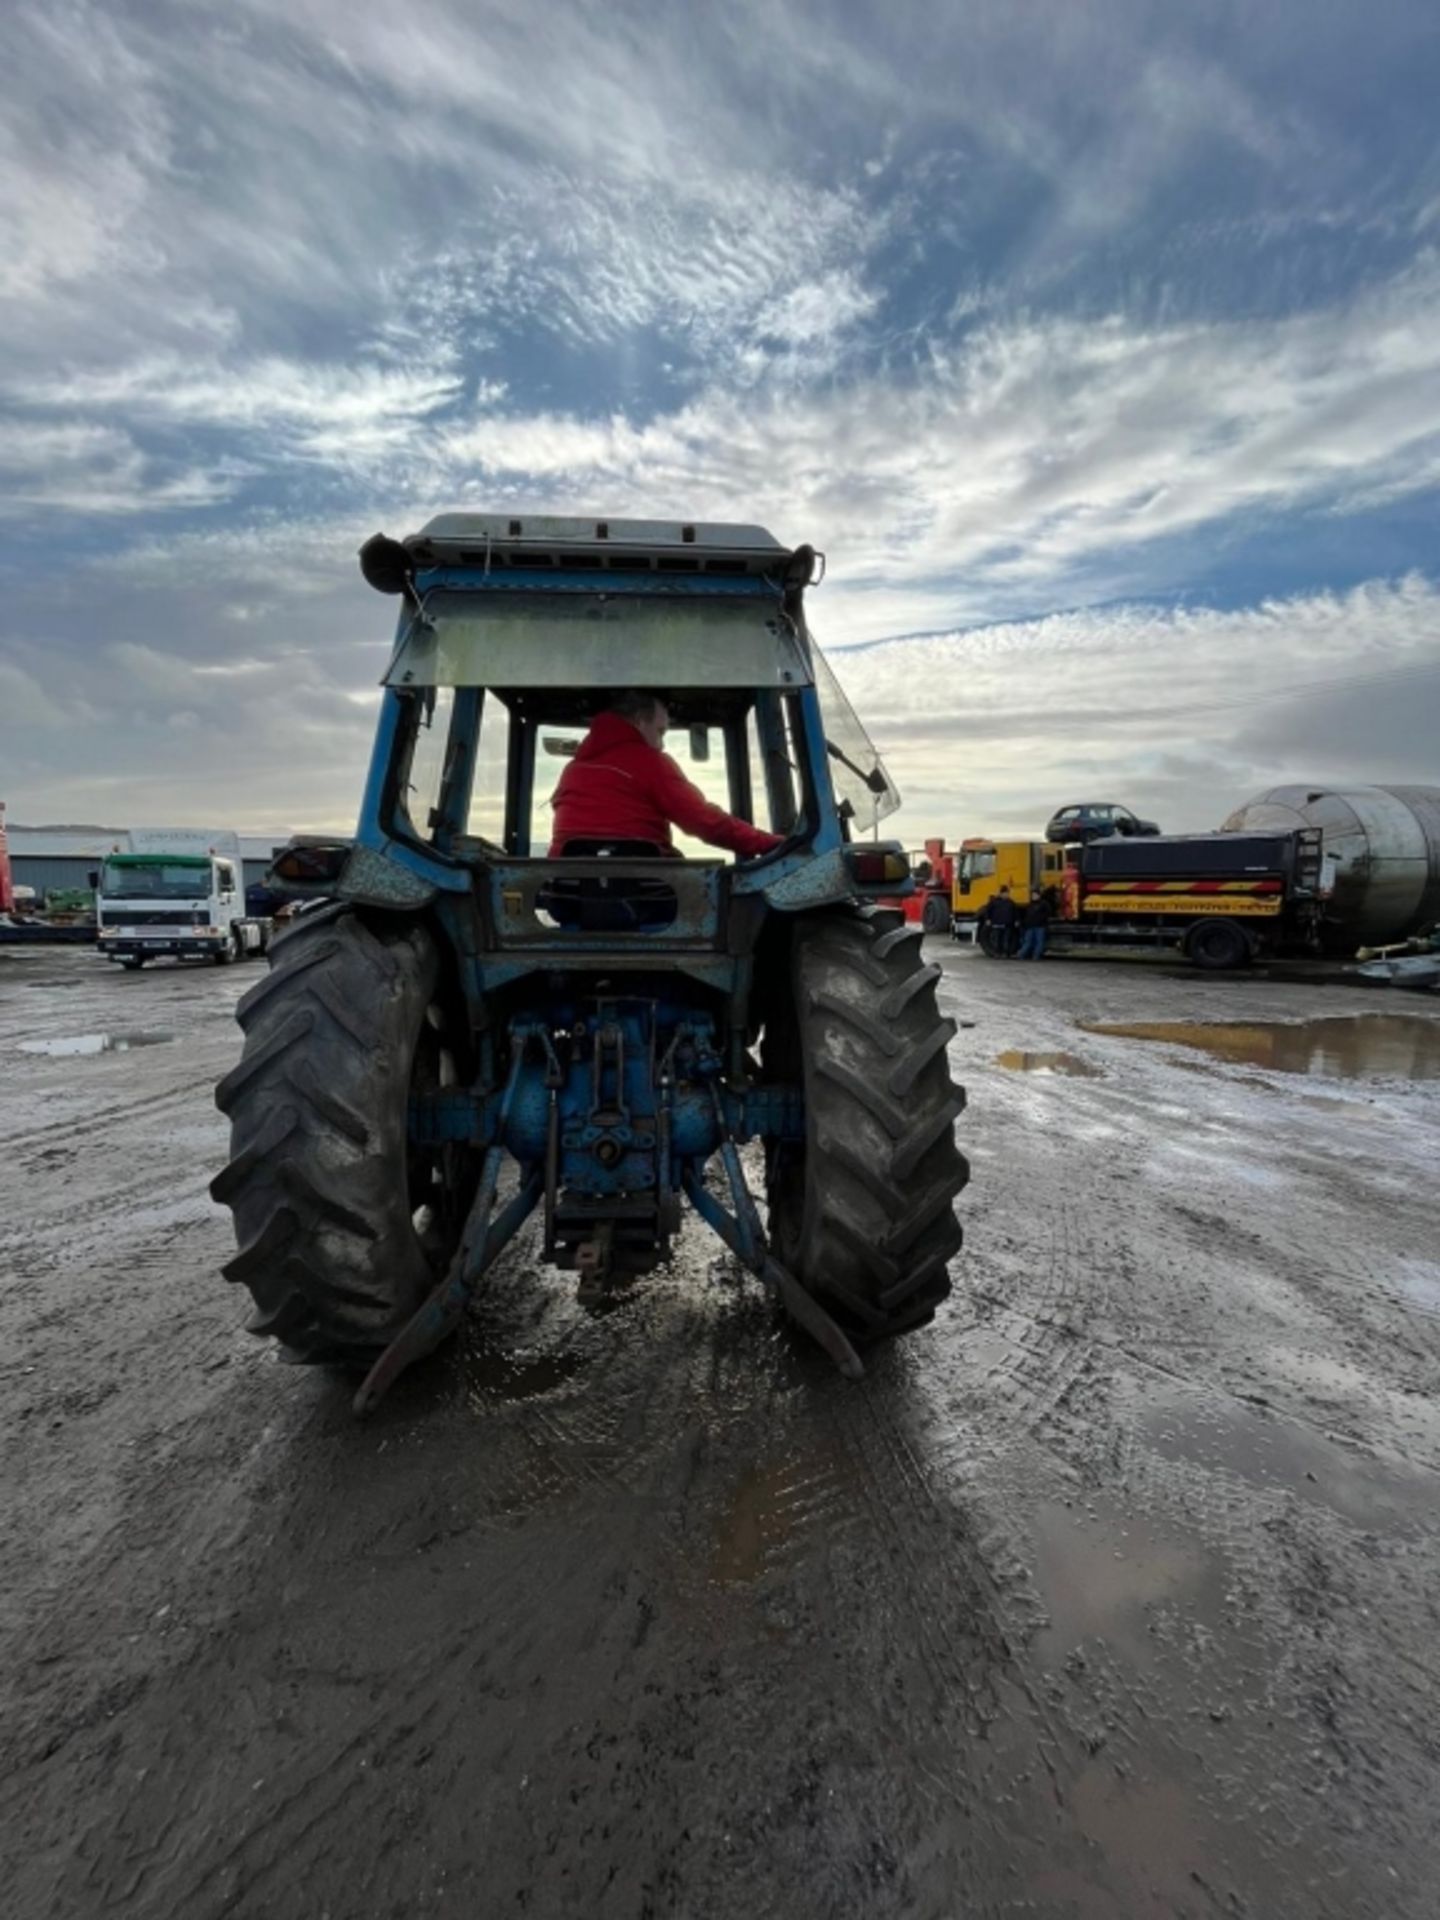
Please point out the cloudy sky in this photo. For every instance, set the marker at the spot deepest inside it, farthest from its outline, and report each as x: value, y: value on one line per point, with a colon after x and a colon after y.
x: 1097, y: 344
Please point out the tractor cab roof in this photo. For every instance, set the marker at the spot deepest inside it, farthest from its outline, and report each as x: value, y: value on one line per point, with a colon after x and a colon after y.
x: 564, y: 543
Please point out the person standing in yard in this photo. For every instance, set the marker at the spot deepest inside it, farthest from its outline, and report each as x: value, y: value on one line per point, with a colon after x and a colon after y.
x: 1000, y: 916
x: 1038, y: 916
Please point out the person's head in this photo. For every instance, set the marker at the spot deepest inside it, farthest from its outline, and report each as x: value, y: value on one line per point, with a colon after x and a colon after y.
x: 1004, y: 893
x: 646, y: 712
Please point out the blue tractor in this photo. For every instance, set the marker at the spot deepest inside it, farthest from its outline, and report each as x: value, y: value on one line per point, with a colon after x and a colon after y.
x: 459, y: 1032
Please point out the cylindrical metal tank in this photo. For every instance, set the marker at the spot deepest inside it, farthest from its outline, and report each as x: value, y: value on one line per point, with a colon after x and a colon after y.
x: 1385, y: 845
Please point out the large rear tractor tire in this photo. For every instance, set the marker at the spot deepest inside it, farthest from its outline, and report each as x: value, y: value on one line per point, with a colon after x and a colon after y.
x: 863, y: 1214
x: 342, y: 1227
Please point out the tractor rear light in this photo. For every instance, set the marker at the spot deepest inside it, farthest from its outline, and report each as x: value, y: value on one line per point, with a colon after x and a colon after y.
x: 311, y: 866
x: 876, y: 866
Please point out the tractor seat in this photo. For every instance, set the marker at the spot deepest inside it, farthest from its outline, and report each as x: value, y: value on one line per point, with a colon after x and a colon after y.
x: 596, y: 904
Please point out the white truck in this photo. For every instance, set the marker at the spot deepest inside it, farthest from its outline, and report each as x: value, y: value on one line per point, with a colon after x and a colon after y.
x: 177, y: 891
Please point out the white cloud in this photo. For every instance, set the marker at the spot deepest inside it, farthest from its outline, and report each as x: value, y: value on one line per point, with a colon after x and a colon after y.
x: 1036, y: 453
x: 83, y: 469
x: 960, y: 295
x: 24, y: 703
x: 344, y: 416
x: 1178, y: 712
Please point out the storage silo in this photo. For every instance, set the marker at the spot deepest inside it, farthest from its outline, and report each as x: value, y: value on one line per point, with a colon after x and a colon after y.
x: 1385, y: 845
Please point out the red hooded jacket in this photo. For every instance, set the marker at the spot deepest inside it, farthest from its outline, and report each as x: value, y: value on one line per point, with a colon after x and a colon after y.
x: 619, y: 787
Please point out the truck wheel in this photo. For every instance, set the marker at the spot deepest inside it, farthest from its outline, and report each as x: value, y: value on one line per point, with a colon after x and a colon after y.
x: 935, y: 915
x: 863, y: 1213
x: 227, y: 952
x: 988, y: 941
x: 342, y: 1227
x: 1217, y: 945
x: 132, y: 966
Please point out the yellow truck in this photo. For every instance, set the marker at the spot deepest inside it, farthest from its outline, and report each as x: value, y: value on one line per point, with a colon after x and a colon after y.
x: 983, y: 867
x: 1220, y: 899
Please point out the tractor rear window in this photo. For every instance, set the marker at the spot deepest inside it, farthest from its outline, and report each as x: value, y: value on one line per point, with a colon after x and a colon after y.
x: 597, y: 640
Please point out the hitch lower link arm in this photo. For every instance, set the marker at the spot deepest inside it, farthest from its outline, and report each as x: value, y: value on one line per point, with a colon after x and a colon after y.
x: 744, y: 1234
x: 480, y: 1243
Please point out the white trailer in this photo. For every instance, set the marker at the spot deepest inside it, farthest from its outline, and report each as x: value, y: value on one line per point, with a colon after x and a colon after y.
x: 176, y: 891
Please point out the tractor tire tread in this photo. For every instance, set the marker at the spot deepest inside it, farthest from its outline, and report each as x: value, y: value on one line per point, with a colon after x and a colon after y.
x: 263, y: 990
x: 866, y: 1219
x: 318, y: 1174
x: 895, y: 1002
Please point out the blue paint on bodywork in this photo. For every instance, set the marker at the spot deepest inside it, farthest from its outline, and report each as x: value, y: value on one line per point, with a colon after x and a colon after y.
x: 647, y: 585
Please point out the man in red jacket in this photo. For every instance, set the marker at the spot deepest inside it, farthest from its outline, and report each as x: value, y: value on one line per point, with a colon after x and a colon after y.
x: 621, y: 786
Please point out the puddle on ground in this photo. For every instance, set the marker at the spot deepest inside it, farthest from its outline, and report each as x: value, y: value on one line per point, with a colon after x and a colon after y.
x: 1281, y: 1456
x: 774, y: 1508
x: 755, y: 1522
x: 77, y: 1043
x: 1103, y: 1575
x: 1146, y: 1630
x: 1364, y: 1046
x: 1066, y: 1063
x: 491, y: 1376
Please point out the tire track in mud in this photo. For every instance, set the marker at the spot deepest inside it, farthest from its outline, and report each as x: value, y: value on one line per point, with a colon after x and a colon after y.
x: 427, y: 1695
x: 1022, y: 1335
x: 1206, y: 1624
x: 102, y: 1121
x: 825, y: 1514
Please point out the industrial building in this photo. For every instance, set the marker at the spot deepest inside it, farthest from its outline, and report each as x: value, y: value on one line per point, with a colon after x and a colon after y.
x: 52, y: 858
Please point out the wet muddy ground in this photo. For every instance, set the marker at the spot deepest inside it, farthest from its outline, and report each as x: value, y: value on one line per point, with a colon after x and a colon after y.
x: 1115, y: 1593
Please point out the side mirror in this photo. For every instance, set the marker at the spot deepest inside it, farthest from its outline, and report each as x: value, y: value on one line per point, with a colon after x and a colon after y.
x: 699, y: 743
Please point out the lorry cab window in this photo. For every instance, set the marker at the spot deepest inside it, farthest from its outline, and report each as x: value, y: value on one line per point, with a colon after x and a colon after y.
x: 155, y: 881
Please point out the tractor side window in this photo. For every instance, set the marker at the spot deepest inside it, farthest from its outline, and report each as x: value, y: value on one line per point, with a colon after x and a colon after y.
x: 774, y: 771
x: 857, y: 772
x: 487, y: 796
x: 421, y: 791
